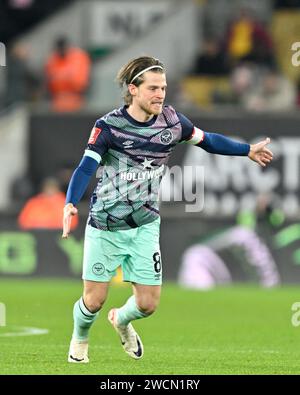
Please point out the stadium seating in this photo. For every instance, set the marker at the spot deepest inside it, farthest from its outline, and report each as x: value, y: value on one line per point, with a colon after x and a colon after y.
x: 200, y: 89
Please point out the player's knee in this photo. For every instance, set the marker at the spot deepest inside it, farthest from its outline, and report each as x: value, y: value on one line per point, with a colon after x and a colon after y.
x: 147, y: 307
x: 93, y: 304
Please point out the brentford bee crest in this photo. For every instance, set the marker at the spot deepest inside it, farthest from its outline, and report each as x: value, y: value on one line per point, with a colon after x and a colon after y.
x: 166, y: 137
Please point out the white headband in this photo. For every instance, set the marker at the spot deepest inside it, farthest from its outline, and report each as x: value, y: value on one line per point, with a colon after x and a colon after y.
x: 143, y: 71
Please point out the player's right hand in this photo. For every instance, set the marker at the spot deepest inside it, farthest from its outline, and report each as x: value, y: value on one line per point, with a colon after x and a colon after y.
x: 69, y: 212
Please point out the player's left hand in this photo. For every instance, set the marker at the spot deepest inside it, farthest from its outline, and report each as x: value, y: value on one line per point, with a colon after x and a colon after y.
x: 260, y: 154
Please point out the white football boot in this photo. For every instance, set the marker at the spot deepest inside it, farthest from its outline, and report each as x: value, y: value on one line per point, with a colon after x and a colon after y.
x: 130, y: 340
x: 78, y: 352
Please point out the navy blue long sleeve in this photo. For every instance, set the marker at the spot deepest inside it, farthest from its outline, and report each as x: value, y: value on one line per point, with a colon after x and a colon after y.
x: 80, y: 179
x: 218, y: 144
x: 211, y: 142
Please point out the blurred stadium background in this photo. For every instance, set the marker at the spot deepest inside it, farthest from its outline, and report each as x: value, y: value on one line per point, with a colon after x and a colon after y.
x: 232, y: 67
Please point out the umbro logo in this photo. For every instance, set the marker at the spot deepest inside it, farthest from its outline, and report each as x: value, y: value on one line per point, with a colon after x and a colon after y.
x: 128, y: 143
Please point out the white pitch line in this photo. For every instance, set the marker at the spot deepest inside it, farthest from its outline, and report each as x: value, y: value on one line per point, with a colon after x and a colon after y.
x: 25, y: 331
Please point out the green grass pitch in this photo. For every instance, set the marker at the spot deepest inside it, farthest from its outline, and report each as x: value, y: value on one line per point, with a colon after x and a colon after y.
x: 235, y: 330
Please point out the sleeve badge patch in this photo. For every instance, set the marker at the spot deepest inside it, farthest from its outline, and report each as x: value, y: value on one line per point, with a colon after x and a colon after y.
x: 94, y: 135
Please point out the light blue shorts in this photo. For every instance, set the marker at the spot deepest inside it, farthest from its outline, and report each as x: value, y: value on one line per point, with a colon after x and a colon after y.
x: 136, y: 250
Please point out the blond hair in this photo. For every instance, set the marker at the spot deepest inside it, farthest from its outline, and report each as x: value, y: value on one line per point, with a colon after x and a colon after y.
x: 129, y: 73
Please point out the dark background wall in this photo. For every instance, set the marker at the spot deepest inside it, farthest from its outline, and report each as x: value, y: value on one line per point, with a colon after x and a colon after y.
x: 44, y: 253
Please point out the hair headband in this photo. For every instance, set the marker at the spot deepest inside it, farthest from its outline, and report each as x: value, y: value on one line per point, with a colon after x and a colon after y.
x: 143, y: 71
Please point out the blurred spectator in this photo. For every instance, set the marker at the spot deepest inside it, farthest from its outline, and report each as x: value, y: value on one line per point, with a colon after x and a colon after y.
x: 22, y: 83
x: 247, y: 39
x: 44, y: 211
x: 241, y: 82
x: 210, y: 60
x: 258, y: 89
x: 274, y: 93
x: 67, y: 76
